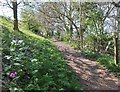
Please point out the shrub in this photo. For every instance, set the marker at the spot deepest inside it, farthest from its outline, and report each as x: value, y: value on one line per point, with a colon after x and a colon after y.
x: 90, y: 54
x: 105, y: 60
x: 108, y: 62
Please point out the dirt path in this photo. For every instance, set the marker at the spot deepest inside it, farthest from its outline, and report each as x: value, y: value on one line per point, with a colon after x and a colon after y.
x: 91, y: 75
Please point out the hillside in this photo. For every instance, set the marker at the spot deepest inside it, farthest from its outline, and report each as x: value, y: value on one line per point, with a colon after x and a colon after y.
x: 31, y: 62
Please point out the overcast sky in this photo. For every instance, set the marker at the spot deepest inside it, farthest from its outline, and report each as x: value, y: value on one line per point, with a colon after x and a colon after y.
x: 7, y: 11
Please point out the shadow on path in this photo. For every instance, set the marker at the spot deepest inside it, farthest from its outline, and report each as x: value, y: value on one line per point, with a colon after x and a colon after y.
x: 91, y: 75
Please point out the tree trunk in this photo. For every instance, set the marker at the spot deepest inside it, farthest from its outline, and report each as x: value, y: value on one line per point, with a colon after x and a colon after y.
x: 81, y: 38
x: 82, y: 27
x: 71, y: 31
x: 81, y: 31
x: 116, y: 38
x: 116, y: 50
x: 15, y: 16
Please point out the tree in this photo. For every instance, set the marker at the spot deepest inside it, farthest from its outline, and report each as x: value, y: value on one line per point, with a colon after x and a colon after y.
x: 14, y: 4
x: 116, y: 60
x: 14, y: 8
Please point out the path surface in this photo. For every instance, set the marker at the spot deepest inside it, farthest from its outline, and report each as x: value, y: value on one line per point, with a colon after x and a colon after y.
x: 91, y: 75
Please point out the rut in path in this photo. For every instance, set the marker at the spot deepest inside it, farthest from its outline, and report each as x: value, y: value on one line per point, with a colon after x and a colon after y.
x: 91, y: 75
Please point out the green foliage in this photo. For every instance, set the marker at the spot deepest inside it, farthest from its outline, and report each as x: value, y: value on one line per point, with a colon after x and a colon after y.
x: 105, y: 60
x: 29, y: 20
x: 36, y: 63
x: 108, y: 62
x: 90, y: 54
x: 65, y: 37
x: 76, y: 46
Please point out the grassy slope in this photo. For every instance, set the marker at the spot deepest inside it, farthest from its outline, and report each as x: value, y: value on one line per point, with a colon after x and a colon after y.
x: 38, y: 63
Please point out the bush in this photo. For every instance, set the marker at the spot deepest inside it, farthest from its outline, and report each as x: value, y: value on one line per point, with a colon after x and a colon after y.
x: 108, y: 62
x: 90, y: 54
x: 105, y: 60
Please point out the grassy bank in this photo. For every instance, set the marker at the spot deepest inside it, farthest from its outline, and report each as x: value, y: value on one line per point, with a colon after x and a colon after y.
x: 31, y: 62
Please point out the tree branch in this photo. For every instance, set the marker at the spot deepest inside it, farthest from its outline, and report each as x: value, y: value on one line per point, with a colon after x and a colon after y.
x: 9, y: 4
x: 19, y: 3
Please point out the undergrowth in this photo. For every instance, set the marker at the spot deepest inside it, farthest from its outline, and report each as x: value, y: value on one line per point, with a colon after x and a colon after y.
x: 105, y: 60
x: 31, y: 62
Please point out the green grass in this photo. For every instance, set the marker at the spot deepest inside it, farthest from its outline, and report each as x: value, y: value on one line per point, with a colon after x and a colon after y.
x: 108, y: 62
x: 105, y: 60
x: 37, y: 61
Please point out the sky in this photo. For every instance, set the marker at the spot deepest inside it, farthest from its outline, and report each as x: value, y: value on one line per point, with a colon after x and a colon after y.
x: 5, y: 10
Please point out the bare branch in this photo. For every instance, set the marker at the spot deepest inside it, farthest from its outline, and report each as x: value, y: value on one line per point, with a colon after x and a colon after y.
x: 9, y: 4
x: 19, y: 3
x: 108, y: 12
x: 116, y: 4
